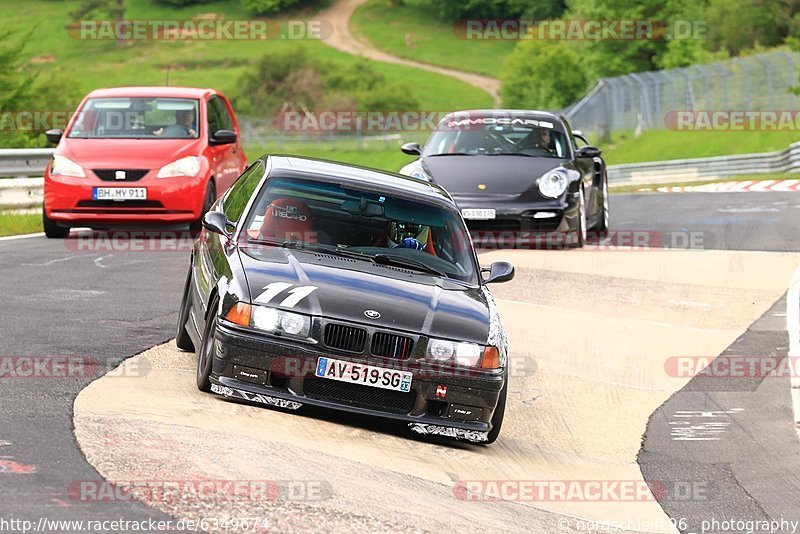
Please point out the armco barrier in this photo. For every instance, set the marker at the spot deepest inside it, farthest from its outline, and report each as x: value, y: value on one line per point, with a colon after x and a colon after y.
x: 21, y: 193
x: 693, y: 170
x: 21, y: 171
x: 21, y: 179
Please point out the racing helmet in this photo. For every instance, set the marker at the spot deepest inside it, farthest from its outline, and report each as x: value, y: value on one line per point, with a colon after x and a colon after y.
x: 408, y: 235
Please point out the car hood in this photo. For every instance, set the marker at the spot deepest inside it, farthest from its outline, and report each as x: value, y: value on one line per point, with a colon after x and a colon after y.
x: 127, y: 153
x: 502, y: 175
x: 406, y: 300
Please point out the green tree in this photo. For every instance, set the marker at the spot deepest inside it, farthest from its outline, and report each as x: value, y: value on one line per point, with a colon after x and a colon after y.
x: 491, y: 9
x: 295, y: 79
x: 542, y: 75
x: 737, y: 25
x: 270, y: 7
x: 24, y: 92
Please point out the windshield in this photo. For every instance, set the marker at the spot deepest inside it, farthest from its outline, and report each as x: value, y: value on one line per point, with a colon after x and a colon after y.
x: 363, y: 225
x: 151, y: 118
x: 491, y: 137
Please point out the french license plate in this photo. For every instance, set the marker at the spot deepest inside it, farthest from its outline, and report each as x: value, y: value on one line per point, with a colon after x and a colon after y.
x: 479, y: 214
x: 368, y: 375
x: 119, y: 193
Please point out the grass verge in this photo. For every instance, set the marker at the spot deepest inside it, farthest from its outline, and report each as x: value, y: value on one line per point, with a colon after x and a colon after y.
x: 88, y: 64
x: 411, y: 32
x: 660, y: 145
x: 16, y: 223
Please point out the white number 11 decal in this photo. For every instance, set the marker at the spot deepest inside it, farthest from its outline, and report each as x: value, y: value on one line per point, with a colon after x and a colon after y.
x: 276, y: 288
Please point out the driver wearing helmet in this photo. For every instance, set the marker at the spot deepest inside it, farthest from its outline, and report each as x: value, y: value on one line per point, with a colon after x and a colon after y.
x: 409, y: 235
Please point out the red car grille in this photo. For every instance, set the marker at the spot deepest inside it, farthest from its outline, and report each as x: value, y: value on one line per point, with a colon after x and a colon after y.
x: 110, y: 175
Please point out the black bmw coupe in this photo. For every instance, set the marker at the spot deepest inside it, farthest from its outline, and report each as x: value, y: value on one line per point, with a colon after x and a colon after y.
x: 347, y: 288
x: 519, y: 177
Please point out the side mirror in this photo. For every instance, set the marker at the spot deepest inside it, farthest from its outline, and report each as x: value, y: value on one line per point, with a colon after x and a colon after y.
x: 589, y: 152
x: 412, y: 149
x: 215, y: 221
x: 500, y: 271
x: 222, y: 137
x: 54, y: 135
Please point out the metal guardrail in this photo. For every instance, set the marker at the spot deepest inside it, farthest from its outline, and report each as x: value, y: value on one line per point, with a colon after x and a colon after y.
x: 21, y: 170
x: 21, y: 182
x: 693, y: 170
x: 24, y: 162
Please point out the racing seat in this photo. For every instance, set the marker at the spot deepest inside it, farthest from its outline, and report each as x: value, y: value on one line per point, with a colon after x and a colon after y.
x: 287, y: 218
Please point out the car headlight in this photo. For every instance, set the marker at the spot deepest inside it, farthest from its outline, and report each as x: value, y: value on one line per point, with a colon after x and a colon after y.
x: 62, y: 166
x: 188, y: 166
x: 270, y: 320
x: 280, y: 322
x: 554, y: 183
x: 416, y: 171
x: 460, y: 353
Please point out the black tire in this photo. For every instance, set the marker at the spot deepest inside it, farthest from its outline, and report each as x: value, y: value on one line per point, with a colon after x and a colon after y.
x: 601, y: 228
x: 499, y: 414
x: 577, y: 238
x: 205, y: 356
x: 182, y: 339
x: 51, y: 229
x: 211, y: 196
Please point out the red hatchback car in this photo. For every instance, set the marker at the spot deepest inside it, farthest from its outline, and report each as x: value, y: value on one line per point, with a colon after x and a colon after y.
x: 134, y: 156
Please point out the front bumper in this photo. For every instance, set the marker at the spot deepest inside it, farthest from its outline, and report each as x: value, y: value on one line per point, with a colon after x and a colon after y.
x: 269, y: 371
x: 177, y: 200
x: 522, y: 222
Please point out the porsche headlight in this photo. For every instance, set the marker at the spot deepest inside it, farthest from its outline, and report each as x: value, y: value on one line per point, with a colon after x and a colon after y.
x: 554, y: 183
x: 62, y: 166
x: 415, y: 170
x: 188, y: 166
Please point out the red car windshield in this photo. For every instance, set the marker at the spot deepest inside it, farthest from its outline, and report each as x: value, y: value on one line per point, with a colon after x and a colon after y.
x: 137, y: 118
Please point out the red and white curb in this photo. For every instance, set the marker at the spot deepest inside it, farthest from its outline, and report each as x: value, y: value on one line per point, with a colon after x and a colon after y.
x: 746, y: 186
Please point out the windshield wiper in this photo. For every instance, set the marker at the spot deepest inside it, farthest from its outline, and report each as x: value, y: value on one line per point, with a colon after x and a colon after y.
x: 286, y: 243
x: 450, y: 154
x: 386, y: 259
x: 314, y: 247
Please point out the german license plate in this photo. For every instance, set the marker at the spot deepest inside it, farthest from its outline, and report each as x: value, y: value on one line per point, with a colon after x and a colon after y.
x: 119, y: 193
x: 478, y: 214
x: 368, y: 375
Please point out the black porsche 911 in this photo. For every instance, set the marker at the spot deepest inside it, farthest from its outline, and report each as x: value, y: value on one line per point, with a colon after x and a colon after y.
x: 348, y: 288
x: 519, y: 177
